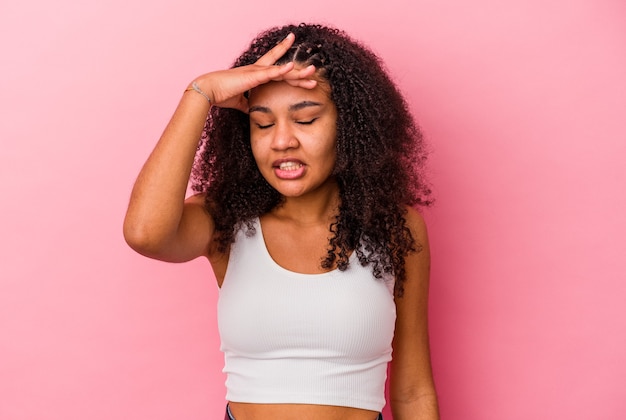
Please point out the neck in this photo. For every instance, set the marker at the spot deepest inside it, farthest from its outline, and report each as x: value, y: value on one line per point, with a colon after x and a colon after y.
x: 322, y: 206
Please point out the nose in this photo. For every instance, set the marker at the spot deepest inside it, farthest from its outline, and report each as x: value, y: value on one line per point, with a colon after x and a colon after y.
x: 283, y: 137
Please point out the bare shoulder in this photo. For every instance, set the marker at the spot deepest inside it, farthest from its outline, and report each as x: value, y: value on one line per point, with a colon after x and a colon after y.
x: 417, y: 266
x: 416, y: 224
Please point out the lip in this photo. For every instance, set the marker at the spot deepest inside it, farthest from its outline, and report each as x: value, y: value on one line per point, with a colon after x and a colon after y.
x: 289, y: 174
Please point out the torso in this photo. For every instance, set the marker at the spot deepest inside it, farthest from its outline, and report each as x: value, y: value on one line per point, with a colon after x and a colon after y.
x: 284, y: 239
x: 245, y: 411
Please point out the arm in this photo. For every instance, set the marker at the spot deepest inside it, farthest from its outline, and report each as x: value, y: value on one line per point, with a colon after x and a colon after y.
x: 159, y: 222
x: 412, y: 389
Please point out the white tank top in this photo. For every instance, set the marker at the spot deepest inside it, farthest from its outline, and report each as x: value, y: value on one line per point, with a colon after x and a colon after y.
x: 303, y: 338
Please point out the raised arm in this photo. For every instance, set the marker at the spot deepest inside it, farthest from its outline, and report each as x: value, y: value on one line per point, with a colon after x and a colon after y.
x: 412, y: 388
x: 159, y: 222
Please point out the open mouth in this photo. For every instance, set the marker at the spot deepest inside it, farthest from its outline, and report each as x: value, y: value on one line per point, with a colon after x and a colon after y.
x: 290, y: 166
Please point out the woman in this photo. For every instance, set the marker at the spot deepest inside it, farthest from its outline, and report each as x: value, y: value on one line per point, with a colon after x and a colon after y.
x: 307, y: 176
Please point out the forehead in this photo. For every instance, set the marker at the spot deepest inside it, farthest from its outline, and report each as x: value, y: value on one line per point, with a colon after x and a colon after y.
x: 278, y: 94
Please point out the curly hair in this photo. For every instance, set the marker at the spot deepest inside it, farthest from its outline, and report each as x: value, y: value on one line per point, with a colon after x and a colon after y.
x: 379, y: 165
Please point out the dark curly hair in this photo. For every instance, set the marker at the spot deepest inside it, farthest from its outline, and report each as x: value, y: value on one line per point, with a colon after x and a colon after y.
x: 380, y: 155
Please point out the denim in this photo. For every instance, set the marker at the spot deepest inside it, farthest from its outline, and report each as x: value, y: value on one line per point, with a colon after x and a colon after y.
x: 229, y: 415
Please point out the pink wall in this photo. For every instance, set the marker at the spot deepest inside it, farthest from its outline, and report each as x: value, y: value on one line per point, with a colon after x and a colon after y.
x: 523, y: 101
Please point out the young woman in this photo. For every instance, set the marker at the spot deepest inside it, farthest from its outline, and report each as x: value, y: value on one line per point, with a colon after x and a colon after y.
x: 308, y: 172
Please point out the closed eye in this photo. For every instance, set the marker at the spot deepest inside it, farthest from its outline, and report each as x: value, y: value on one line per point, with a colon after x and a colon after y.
x: 307, y: 122
x: 262, y: 127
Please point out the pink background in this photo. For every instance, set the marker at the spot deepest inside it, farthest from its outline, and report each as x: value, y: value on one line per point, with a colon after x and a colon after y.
x: 523, y: 101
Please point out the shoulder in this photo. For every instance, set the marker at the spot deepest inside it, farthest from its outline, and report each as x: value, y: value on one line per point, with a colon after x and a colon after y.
x: 417, y: 262
x: 412, y: 303
x: 416, y: 224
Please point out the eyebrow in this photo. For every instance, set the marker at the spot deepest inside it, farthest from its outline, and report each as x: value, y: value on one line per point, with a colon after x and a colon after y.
x: 295, y: 107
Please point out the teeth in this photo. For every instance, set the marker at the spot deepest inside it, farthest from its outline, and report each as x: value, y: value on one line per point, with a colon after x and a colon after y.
x: 289, y: 166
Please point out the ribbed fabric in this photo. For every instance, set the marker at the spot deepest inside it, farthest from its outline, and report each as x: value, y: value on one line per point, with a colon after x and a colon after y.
x: 303, y: 338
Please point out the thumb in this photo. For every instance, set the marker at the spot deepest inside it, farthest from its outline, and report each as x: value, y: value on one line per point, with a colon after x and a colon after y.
x: 242, y: 104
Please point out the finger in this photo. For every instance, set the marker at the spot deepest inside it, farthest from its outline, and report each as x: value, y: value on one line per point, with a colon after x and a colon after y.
x: 243, y: 104
x: 303, y: 73
x: 240, y: 103
x: 268, y: 74
x: 294, y: 74
x: 278, y: 51
x: 300, y: 77
x: 303, y: 83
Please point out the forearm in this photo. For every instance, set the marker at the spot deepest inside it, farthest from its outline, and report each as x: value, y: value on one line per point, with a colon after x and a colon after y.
x: 156, y: 204
x: 423, y: 407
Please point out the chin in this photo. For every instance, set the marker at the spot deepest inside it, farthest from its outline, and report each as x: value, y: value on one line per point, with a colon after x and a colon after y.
x: 287, y: 193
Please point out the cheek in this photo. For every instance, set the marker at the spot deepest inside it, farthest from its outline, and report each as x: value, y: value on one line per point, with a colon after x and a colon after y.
x: 256, y: 145
x: 328, y: 143
x: 329, y: 155
x: 256, y: 152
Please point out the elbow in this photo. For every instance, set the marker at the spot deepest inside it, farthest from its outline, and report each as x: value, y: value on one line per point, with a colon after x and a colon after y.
x: 142, y: 238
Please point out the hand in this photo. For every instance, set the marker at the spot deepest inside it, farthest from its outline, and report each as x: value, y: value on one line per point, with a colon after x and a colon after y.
x: 226, y: 88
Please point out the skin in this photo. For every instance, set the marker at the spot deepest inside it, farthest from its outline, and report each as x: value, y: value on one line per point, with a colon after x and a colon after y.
x: 292, y: 120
